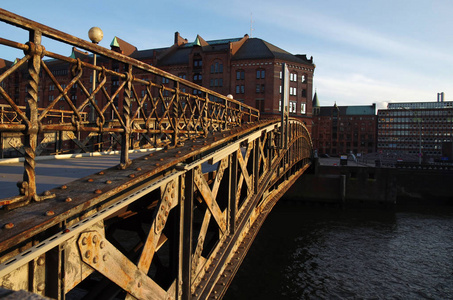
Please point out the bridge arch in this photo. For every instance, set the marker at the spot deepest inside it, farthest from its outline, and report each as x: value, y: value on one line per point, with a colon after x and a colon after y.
x: 173, y: 224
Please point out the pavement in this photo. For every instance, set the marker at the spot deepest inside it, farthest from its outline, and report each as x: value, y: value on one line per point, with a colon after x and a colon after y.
x: 54, y: 173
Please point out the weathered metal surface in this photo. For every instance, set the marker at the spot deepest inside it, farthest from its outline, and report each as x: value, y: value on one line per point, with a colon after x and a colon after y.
x: 174, y: 224
x: 173, y: 118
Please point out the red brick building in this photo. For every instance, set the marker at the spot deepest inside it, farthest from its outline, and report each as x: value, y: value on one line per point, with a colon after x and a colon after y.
x: 247, y: 68
x: 344, y: 129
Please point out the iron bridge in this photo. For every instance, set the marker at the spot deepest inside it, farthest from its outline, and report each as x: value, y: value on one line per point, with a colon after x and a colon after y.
x: 175, y: 223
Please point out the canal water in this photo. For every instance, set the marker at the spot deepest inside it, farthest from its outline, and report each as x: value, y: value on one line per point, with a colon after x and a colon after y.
x: 325, y: 252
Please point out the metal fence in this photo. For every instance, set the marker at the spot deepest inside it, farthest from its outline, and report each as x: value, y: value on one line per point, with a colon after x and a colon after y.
x: 125, y: 104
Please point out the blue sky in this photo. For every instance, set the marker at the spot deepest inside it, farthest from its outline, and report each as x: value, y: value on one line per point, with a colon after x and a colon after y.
x: 365, y: 51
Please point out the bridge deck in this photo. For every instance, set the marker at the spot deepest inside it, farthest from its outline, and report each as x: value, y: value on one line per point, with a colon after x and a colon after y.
x: 51, y: 173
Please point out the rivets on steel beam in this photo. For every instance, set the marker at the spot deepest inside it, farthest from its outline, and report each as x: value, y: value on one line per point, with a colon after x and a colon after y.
x: 151, y: 154
x: 64, y: 187
x: 139, y: 284
x: 102, y: 245
x: 95, y: 260
x: 98, y: 191
x: 40, y: 261
x: 104, y: 257
x: 69, y: 199
x: 157, y: 164
x: 131, y: 175
x: 41, y: 286
x: 101, y: 173
x: 95, y: 239
x: 108, y: 182
x: 50, y: 213
x: 90, y: 180
x: 88, y: 254
x: 84, y: 241
x: 161, y: 159
x: 138, y: 169
x: 8, y: 225
x: 47, y: 193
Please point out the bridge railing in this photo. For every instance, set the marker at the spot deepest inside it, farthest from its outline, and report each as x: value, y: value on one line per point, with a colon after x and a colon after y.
x: 128, y: 104
x: 175, y: 224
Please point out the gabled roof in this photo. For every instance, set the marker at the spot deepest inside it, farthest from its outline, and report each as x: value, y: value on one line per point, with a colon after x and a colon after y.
x: 179, y: 57
x: 361, y: 110
x: 255, y: 48
x: 356, y: 110
x: 76, y: 53
x: 124, y: 47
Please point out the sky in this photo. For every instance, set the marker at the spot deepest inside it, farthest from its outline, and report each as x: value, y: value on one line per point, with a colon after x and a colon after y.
x: 365, y: 51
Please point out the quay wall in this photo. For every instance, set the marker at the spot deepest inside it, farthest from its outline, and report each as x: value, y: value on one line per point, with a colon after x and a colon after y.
x: 349, y: 184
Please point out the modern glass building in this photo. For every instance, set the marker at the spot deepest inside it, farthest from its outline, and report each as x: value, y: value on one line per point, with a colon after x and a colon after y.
x: 421, y: 129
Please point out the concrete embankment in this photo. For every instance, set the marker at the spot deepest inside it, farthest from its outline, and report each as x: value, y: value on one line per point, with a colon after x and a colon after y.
x: 349, y: 184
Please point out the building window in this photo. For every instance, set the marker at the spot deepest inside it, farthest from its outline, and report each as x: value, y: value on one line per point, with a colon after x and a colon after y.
x: 302, y: 108
x: 197, y: 77
x: 240, y: 89
x: 304, y: 93
x: 240, y: 75
x: 197, y: 63
x: 217, y: 67
x: 303, y: 78
x: 292, y: 106
x: 182, y: 75
x: 260, y: 74
x: 260, y: 88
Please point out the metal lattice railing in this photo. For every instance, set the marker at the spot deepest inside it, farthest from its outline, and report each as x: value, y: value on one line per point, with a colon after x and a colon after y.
x: 138, y: 107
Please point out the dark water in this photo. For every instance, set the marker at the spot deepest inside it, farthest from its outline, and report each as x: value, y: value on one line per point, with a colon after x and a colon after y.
x: 306, y: 252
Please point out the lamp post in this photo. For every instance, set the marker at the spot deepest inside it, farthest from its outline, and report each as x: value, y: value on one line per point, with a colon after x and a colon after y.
x: 95, y: 34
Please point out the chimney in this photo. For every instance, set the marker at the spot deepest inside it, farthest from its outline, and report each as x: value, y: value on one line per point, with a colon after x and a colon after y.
x: 176, y: 37
x: 440, y: 97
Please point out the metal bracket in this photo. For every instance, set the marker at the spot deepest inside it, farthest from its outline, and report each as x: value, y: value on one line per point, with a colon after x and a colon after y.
x: 101, y: 255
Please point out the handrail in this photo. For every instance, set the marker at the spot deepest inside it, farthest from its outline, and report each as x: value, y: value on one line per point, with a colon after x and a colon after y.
x: 160, y: 116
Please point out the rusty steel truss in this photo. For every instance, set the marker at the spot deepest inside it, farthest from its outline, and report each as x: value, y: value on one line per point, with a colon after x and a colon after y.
x: 173, y: 224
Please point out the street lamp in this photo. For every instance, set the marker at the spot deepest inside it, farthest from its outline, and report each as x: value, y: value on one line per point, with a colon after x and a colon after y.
x: 95, y: 34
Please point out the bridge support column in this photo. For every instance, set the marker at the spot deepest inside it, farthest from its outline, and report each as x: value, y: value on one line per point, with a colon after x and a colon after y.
x: 186, y: 204
x: 232, y: 201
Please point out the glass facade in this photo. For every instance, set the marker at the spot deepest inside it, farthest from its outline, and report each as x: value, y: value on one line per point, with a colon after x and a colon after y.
x: 417, y: 129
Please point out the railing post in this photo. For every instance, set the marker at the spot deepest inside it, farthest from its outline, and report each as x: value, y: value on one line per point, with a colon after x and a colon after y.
x: 126, y: 136
x: 186, y: 206
x: 176, y: 115
x: 28, y: 187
